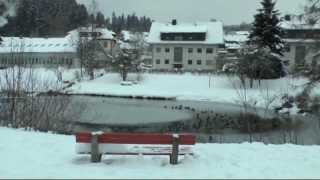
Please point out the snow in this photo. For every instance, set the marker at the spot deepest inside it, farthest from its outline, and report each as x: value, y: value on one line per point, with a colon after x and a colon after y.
x: 127, y: 35
x: 41, y: 155
x: 191, y: 87
x: 235, y: 37
x: 213, y: 30
x: 47, y: 79
x: 30, y: 45
x: 105, y: 33
x: 298, y: 22
x: 67, y: 44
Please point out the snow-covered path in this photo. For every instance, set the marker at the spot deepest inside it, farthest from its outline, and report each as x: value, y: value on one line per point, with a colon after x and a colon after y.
x: 39, y: 155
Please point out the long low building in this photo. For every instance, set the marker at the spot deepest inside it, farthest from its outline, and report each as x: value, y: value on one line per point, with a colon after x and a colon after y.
x: 52, y: 52
x: 187, y: 46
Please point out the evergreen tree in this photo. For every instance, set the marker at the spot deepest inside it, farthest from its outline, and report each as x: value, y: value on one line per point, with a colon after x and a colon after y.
x: 100, y: 20
x: 266, y: 31
x: 45, y: 17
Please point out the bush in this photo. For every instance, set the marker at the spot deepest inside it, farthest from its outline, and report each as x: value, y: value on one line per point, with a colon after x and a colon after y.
x: 261, y: 65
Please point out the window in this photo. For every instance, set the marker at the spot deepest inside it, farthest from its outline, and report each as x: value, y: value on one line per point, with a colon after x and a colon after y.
x: 167, y: 50
x: 209, y: 50
x: 209, y: 62
x: 158, y: 50
x: 199, y: 50
x: 190, y: 50
x: 287, y: 48
x: 190, y: 62
x: 199, y: 62
x: 158, y: 61
x: 166, y: 61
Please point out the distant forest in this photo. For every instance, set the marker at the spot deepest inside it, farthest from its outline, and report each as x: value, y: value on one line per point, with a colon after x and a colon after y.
x: 35, y: 18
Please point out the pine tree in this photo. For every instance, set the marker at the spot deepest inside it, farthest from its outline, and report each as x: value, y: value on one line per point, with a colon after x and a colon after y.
x: 266, y: 31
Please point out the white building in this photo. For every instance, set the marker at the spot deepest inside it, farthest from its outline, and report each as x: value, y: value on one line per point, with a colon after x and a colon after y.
x: 50, y: 52
x: 302, y: 43
x: 188, y: 46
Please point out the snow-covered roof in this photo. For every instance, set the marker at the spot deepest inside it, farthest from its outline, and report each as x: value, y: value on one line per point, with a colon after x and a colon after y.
x: 233, y: 45
x: 49, y: 45
x: 298, y: 22
x: 126, y: 35
x: 125, y: 45
x: 235, y: 37
x: 213, y: 30
x: 133, y: 36
x: 105, y: 33
x: 235, y: 40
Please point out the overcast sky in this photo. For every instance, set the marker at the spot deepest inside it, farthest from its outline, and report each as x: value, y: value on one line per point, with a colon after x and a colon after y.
x: 228, y: 11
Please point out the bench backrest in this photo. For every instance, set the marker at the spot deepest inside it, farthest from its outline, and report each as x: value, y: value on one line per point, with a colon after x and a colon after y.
x: 135, y: 138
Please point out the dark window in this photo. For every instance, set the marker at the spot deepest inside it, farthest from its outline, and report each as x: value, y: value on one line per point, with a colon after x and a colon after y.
x: 190, y: 62
x: 199, y: 62
x: 158, y: 61
x: 167, y: 50
x: 166, y: 61
x: 190, y: 50
x: 209, y: 50
x: 287, y: 48
x: 158, y: 49
x: 199, y: 50
x: 199, y: 36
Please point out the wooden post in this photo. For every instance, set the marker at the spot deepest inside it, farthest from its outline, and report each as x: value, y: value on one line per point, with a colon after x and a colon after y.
x: 175, y: 149
x: 95, y: 154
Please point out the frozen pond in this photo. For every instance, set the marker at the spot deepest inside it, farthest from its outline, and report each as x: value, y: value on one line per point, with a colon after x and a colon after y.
x: 121, y: 111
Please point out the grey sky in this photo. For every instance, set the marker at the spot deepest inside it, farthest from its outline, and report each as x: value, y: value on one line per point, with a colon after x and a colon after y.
x: 228, y: 11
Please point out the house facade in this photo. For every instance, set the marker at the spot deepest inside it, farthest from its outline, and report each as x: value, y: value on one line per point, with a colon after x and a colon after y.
x: 187, y: 46
x: 302, y: 47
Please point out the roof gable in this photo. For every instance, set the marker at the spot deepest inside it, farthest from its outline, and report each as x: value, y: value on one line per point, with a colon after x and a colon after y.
x: 213, y: 31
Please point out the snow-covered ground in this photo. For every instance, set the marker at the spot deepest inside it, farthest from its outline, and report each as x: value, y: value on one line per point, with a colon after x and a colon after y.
x: 218, y: 88
x: 40, y: 79
x: 40, y: 155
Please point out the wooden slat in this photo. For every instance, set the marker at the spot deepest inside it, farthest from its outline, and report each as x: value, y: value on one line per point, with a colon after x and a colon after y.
x: 128, y: 138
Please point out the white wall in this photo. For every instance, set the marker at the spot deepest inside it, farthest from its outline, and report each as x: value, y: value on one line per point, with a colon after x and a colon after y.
x: 194, y: 56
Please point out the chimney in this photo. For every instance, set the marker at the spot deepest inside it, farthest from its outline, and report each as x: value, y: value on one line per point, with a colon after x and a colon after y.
x: 174, y: 22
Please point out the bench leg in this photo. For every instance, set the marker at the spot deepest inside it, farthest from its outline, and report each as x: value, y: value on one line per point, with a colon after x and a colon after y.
x: 175, y: 151
x: 95, y: 154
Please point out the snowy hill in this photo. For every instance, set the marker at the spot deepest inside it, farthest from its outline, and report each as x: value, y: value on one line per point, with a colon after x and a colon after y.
x: 39, y: 155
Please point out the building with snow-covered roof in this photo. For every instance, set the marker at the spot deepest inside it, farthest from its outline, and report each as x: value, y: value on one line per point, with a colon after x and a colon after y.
x: 188, y: 46
x: 51, y: 52
x: 301, y: 39
x: 37, y: 51
x: 236, y: 41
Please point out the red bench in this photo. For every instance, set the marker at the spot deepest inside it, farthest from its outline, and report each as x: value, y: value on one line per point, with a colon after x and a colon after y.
x: 97, y: 144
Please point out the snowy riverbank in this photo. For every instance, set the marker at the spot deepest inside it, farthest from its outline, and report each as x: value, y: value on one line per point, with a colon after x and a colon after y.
x: 41, y: 155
